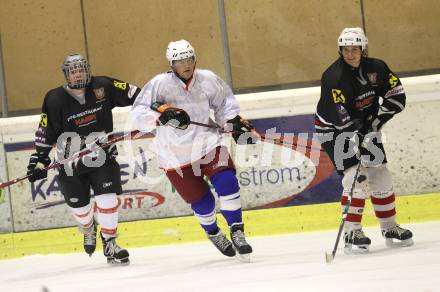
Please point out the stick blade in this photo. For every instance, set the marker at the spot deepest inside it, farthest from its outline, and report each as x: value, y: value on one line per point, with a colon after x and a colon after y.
x: 329, y: 257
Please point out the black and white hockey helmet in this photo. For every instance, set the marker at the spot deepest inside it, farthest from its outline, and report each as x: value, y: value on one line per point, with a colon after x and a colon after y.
x: 76, y: 70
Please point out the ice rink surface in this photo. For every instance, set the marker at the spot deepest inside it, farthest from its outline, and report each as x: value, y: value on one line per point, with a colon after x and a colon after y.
x: 279, y: 263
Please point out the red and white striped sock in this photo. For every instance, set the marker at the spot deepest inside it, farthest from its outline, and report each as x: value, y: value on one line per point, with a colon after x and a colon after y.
x: 384, y: 207
x: 355, y: 211
x: 83, y: 216
x: 107, y: 206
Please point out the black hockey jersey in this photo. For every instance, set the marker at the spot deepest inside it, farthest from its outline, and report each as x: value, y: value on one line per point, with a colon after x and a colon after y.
x: 62, y: 113
x: 357, y: 99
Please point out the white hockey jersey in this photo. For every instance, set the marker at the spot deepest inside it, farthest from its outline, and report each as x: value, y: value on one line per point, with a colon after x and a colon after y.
x: 204, y: 94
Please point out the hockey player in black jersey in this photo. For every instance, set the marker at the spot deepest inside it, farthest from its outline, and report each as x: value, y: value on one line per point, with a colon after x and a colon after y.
x: 358, y: 96
x: 78, y: 115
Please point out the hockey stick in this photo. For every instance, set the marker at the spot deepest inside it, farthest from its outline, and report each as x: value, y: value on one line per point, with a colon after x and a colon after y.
x: 156, y: 106
x: 131, y: 135
x: 330, y: 257
x: 261, y: 137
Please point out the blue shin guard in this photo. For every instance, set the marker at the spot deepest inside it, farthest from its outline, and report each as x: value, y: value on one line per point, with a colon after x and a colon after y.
x: 227, y: 188
x: 204, y: 210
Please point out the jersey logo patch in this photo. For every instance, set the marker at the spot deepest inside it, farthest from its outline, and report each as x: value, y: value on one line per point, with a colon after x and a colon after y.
x: 372, y: 77
x: 393, y: 80
x: 338, y: 97
x: 343, y: 114
x: 132, y: 90
x: 43, y: 121
x: 99, y: 93
x: 120, y: 85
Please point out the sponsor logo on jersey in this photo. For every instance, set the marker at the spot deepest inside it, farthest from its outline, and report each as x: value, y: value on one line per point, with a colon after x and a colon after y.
x: 372, y: 77
x: 365, y: 99
x: 107, y: 184
x: 43, y: 121
x: 132, y: 90
x: 395, y: 91
x: 83, y: 121
x: 343, y: 114
x: 99, y: 93
x: 120, y: 85
x: 366, y: 102
x: 393, y: 80
x: 338, y: 97
x: 84, y: 113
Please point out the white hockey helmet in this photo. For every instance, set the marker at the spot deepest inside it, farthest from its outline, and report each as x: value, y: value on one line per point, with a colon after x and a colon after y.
x: 353, y: 36
x: 76, y: 63
x: 179, y: 50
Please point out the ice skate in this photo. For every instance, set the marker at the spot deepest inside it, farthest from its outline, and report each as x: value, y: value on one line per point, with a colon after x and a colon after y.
x: 402, y: 235
x: 115, y: 255
x: 239, y: 242
x: 356, y: 242
x: 222, y: 243
x: 89, y: 239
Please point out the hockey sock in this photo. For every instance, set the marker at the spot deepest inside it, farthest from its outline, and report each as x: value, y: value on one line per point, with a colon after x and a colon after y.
x: 107, y: 214
x: 384, y: 207
x: 204, y: 210
x: 227, y: 188
x: 84, y: 216
x: 354, y: 214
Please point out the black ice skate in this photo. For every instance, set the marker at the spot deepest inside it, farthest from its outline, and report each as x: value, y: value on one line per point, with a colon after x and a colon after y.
x: 114, y: 254
x: 356, y: 242
x: 222, y: 243
x: 399, y: 233
x: 239, y: 242
x: 89, y: 239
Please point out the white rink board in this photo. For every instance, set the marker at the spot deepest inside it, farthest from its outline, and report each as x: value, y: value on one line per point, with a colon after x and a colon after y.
x: 148, y: 193
x: 5, y: 209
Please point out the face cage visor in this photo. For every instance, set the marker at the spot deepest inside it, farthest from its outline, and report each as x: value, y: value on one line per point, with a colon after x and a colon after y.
x: 77, y: 74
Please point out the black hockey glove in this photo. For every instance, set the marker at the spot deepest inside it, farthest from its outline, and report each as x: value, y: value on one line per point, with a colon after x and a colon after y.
x: 243, y: 132
x: 171, y: 116
x: 35, y: 168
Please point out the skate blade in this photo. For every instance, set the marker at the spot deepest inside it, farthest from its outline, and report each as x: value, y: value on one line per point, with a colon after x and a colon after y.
x: 245, y: 258
x: 329, y: 258
x: 114, y: 262
x: 389, y: 242
x: 356, y: 249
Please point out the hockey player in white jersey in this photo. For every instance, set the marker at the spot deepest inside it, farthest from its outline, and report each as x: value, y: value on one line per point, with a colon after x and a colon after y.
x: 187, y: 152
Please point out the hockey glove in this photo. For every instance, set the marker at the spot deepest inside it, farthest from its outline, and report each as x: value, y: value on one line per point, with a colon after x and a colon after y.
x: 171, y: 116
x: 36, y: 167
x: 243, y: 132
